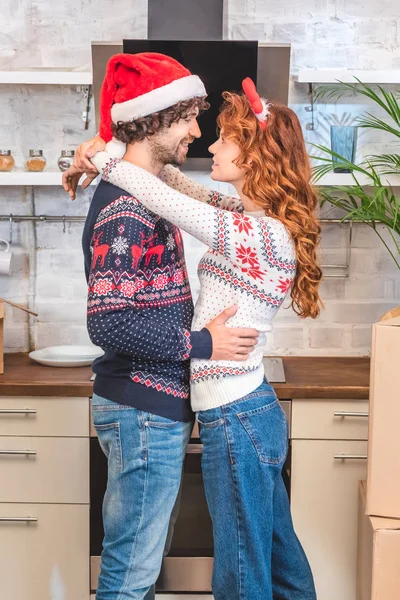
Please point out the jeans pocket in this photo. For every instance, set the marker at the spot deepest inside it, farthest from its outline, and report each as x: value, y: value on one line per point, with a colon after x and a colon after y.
x: 152, y: 420
x: 209, y: 419
x: 267, y: 428
x: 109, y: 437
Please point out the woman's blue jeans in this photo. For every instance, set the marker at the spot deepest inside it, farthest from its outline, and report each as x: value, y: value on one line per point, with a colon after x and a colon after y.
x: 257, y: 555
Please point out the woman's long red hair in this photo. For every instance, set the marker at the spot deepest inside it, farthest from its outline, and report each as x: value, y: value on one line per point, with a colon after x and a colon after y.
x: 277, y: 178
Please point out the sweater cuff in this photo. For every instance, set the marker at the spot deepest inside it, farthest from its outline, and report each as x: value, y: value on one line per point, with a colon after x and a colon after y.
x: 201, y: 344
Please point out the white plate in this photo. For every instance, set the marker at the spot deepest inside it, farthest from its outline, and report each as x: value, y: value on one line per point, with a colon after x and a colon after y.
x: 66, y: 356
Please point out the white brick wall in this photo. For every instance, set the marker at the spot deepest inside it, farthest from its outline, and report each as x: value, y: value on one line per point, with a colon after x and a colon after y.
x: 48, y: 264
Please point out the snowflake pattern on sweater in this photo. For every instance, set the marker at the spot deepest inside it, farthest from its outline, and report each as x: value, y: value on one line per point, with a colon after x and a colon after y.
x: 251, y: 262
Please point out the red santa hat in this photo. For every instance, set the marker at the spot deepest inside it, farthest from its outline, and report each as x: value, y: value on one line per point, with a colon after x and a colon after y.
x: 137, y: 85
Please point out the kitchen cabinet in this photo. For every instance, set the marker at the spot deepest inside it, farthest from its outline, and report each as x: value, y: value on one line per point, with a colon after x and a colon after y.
x: 43, y: 416
x: 34, y: 469
x: 44, y: 551
x: 44, y: 497
x: 329, y: 451
x: 330, y: 420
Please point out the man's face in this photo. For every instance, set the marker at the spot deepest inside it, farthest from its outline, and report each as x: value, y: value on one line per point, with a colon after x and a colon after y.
x: 170, y: 146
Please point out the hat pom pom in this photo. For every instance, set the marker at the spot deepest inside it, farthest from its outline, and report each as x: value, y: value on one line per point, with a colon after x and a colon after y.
x: 115, y: 148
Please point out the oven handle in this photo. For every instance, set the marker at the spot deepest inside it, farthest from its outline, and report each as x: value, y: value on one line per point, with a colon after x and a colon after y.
x: 194, y: 449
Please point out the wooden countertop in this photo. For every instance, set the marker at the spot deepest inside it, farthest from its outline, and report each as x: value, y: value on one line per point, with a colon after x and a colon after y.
x: 24, y: 377
x: 307, y: 377
x: 324, y: 377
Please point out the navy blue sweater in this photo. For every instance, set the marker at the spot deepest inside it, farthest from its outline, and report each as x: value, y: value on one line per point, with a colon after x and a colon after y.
x: 140, y: 307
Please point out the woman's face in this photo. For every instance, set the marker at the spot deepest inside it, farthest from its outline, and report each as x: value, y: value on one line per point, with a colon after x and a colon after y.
x: 224, y: 152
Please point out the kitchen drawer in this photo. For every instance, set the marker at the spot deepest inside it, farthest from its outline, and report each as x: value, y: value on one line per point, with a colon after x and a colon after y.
x: 44, y: 416
x: 39, y: 469
x: 47, y: 557
x: 330, y: 419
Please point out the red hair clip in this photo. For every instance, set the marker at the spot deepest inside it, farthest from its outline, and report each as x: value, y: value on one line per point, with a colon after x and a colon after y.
x: 258, y: 105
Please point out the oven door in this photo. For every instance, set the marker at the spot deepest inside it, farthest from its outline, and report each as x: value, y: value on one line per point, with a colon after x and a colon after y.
x: 188, y: 566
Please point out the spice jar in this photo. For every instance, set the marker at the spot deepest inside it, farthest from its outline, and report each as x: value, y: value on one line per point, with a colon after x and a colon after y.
x: 7, y: 161
x: 66, y: 159
x: 36, y: 161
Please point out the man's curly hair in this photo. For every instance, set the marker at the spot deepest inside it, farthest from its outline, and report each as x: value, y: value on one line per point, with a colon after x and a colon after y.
x: 138, y: 129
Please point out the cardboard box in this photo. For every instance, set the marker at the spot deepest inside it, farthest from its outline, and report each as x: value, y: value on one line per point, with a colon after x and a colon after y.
x: 1, y: 337
x: 383, y: 494
x: 378, y: 558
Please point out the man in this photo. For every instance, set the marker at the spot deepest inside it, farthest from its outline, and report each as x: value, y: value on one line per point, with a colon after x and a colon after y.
x: 140, y: 312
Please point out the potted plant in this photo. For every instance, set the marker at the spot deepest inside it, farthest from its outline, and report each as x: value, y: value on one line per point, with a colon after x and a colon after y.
x: 370, y: 198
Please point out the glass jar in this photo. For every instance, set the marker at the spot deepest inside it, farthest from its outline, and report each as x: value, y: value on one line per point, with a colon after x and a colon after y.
x: 36, y: 161
x: 7, y: 161
x: 66, y: 159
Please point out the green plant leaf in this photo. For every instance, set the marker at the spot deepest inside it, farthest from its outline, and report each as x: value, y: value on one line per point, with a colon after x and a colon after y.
x: 369, y: 121
x: 374, y: 203
x: 387, y: 164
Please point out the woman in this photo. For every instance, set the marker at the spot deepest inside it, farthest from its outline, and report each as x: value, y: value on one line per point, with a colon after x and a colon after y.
x: 261, y: 246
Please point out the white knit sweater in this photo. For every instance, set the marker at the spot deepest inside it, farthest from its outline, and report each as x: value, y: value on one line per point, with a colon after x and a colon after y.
x: 251, y: 262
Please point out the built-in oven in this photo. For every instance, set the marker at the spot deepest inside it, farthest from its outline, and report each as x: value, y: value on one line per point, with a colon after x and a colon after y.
x: 188, y: 566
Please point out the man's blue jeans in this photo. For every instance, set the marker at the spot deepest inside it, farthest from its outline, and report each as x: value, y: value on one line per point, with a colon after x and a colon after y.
x: 257, y: 555
x: 145, y: 455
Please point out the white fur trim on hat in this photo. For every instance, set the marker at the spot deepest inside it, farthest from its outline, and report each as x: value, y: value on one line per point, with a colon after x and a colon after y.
x: 115, y: 148
x: 178, y: 90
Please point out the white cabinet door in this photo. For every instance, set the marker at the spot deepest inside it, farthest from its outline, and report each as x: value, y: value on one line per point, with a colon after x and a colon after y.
x: 44, y: 416
x: 46, y: 558
x: 330, y: 419
x: 44, y: 469
x: 324, y: 499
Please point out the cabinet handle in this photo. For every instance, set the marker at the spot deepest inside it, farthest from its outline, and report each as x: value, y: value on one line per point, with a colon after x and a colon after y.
x: 18, y: 519
x: 18, y: 411
x: 350, y: 457
x: 30, y: 452
x: 344, y: 413
x: 194, y: 449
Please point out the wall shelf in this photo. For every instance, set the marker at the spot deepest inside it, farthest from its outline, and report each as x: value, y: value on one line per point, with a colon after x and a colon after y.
x: 30, y: 178
x: 347, y: 179
x: 46, y: 77
x: 348, y: 75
